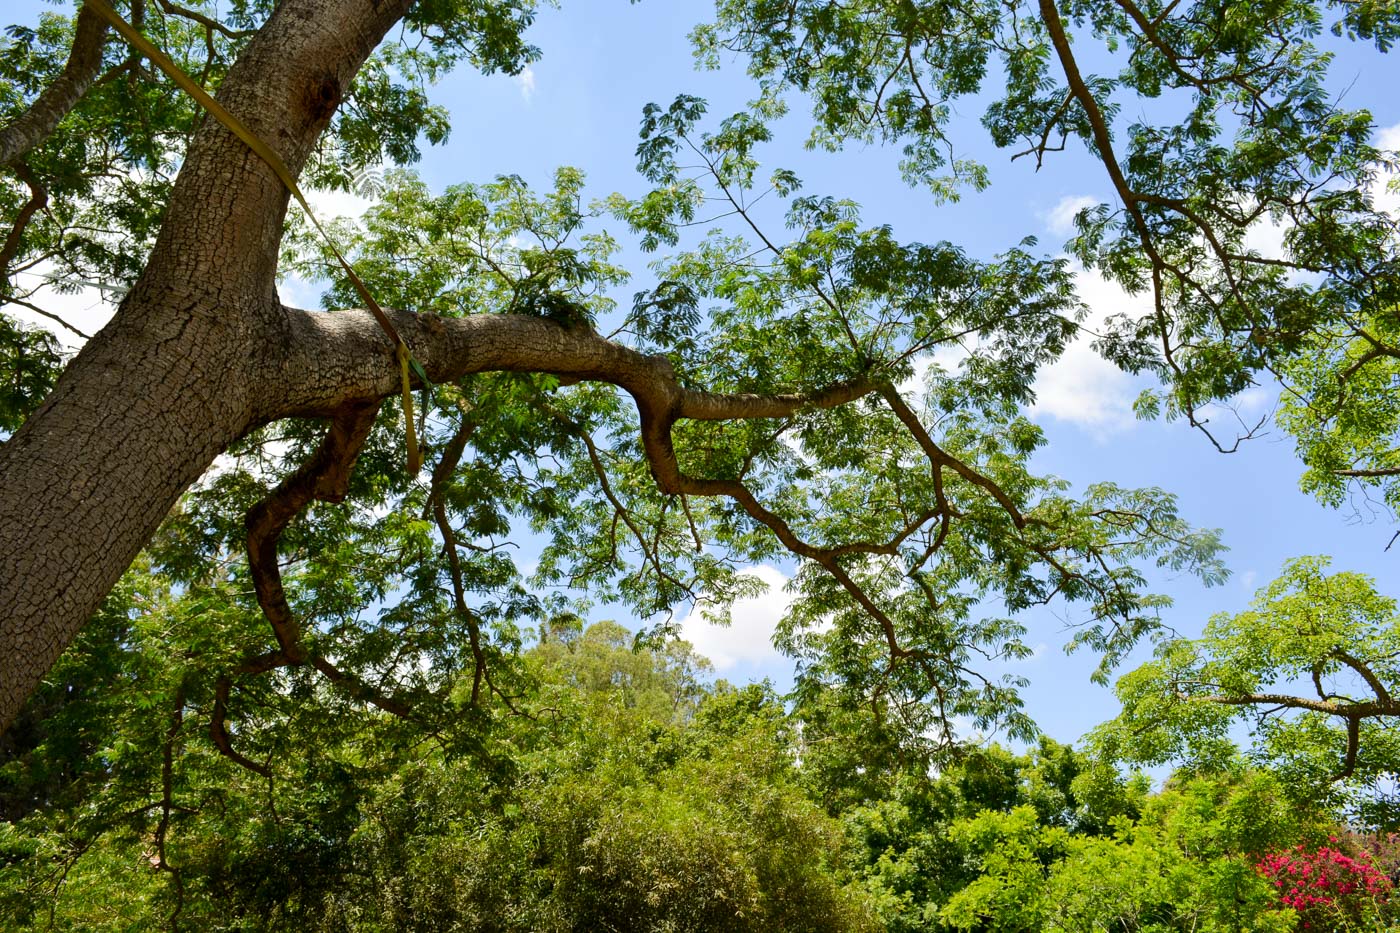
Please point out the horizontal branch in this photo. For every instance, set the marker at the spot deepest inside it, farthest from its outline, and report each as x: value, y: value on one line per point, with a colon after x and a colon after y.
x: 1365, y: 710
x: 329, y: 360
x: 1386, y: 471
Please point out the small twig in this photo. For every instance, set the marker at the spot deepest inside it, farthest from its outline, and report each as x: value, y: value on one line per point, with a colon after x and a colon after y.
x: 29, y: 306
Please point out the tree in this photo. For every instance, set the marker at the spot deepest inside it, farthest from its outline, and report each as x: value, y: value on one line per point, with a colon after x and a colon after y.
x: 1311, y: 666
x: 775, y: 420
x: 641, y: 801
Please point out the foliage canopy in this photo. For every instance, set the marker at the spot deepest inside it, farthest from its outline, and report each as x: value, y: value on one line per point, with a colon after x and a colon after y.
x: 251, y: 706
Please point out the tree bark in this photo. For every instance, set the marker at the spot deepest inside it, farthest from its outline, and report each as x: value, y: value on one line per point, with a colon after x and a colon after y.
x: 188, y: 363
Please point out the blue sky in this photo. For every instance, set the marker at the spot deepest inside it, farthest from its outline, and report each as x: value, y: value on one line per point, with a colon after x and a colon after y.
x: 603, y: 60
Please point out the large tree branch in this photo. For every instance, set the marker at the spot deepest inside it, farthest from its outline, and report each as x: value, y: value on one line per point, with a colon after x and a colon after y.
x: 1386, y: 471
x: 329, y: 360
x: 32, y: 127
x: 38, y: 200
x: 325, y: 477
x: 1350, y: 713
x: 1370, y: 709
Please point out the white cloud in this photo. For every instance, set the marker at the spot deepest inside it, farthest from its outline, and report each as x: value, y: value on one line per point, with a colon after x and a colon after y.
x: 1385, y: 199
x: 329, y: 205
x: 526, y: 82
x: 749, y: 640
x: 1060, y: 218
x: 299, y: 292
x: 1082, y: 387
x: 1253, y: 401
x: 1265, y: 236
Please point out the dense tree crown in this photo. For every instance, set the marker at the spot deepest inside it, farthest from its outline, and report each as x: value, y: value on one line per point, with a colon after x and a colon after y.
x: 254, y: 673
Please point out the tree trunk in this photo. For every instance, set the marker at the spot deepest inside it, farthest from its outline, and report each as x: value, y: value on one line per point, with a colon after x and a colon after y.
x: 189, y: 362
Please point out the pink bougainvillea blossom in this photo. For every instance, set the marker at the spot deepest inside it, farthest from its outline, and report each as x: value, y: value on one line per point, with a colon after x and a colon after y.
x: 1322, y: 883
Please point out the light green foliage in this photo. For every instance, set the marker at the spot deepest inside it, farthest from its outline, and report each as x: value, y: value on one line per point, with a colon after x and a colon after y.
x: 1314, y: 657
x: 1342, y: 407
x: 1008, y: 851
x: 1056, y: 840
x: 1186, y: 864
x: 832, y: 300
x: 497, y: 247
x: 935, y: 850
x: 682, y: 815
x: 663, y: 684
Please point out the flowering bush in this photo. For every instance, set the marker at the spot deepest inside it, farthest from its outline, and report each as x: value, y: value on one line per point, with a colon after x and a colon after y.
x: 1329, y: 889
x: 1383, y: 849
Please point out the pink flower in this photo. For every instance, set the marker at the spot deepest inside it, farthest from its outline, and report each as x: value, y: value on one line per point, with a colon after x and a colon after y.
x: 1319, y: 884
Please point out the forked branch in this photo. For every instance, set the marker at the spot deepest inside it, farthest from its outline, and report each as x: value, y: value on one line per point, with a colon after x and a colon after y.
x: 325, y: 477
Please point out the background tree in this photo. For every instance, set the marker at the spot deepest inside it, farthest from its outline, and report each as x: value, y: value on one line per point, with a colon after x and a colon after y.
x: 638, y: 799
x: 1311, y: 667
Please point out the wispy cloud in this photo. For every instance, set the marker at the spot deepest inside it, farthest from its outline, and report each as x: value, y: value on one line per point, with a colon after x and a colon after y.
x: 1059, y: 220
x: 526, y: 82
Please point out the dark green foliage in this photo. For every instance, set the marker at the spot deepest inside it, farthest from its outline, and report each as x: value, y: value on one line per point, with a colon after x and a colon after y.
x: 29, y: 366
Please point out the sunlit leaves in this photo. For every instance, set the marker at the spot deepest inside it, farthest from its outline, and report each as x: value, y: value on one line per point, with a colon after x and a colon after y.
x: 1342, y: 406
x: 1313, y: 650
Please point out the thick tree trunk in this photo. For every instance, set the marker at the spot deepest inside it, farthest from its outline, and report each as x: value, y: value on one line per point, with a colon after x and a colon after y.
x: 189, y: 362
x: 83, y: 485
